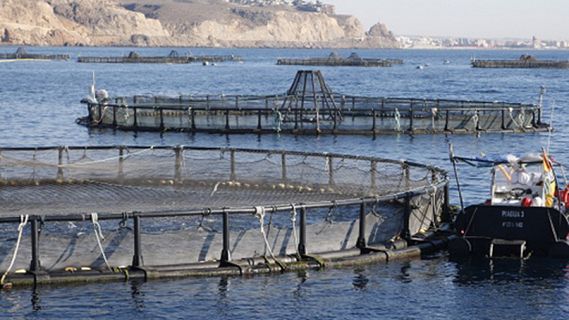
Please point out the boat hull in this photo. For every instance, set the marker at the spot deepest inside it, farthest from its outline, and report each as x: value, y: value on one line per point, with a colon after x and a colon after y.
x: 516, y: 231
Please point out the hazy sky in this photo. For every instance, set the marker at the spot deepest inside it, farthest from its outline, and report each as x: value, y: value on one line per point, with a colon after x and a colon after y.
x: 546, y: 19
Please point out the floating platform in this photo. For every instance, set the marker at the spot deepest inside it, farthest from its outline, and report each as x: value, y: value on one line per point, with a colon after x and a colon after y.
x: 354, y: 60
x: 309, y: 107
x: 22, y: 54
x: 120, y: 212
x: 173, y: 57
x: 525, y: 61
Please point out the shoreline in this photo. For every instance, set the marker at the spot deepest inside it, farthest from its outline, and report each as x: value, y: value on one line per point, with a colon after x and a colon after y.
x: 14, y: 45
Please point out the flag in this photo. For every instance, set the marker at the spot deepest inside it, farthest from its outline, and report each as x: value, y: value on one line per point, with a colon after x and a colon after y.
x: 549, y: 184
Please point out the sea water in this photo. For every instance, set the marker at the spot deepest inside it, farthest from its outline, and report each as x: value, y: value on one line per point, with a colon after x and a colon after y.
x: 39, y: 103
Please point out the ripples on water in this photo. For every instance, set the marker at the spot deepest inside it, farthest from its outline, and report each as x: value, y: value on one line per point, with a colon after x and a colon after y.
x: 40, y: 102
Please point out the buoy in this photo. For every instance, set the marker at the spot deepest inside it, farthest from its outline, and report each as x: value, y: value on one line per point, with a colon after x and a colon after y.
x: 564, y: 196
x: 70, y: 269
x: 526, y: 202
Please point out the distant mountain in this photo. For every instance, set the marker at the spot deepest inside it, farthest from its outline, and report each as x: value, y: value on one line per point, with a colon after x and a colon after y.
x: 207, y: 23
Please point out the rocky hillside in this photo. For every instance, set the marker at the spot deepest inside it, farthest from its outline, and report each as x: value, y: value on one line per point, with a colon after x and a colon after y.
x: 212, y: 23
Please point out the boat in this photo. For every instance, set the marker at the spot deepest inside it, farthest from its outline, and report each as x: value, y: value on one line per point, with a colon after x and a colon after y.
x: 525, y: 215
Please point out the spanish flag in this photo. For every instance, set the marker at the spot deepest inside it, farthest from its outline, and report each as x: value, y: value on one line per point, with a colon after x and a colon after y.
x: 549, y: 184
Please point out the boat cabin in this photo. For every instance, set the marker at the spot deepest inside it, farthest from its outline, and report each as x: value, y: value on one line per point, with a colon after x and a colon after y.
x: 525, y: 182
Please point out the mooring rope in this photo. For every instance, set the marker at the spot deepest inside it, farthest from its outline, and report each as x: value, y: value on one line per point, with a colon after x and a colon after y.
x: 476, y: 119
x: 101, y: 116
x: 126, y: 114
x: 278, y: 120
x: 434, y: 112
x: 328, y: 219
x: 23, y: 222
x: 260, y: 214
x: 520, y: 116
x: 293, y: 222
x: 99, y: 236
x: 214, y: 189
x: 397, y: 120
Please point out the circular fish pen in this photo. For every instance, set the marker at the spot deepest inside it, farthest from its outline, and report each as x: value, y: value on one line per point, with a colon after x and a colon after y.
x: 114, y: 212
x: 310, y: 107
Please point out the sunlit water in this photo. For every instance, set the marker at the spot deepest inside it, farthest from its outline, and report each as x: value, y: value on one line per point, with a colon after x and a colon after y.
x: 39, y: 102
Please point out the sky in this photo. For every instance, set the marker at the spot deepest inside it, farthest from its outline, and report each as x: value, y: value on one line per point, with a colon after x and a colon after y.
x: 545, y: 19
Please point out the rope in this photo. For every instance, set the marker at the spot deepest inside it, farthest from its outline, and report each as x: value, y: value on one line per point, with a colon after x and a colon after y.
x: 101, y: 116
x: 201, y: 226
x: 126, y: 115
x: 260, y: 214
x: 214, y: 189
x: 99, y: 236
x: 476, y: 119
x: 434, y: 112
x: 522, y: 116
x: 23, y: 222
x: 270, y: 224
x: 510, y: 112
x: 328, y: 218
x: 397, y: 120
x: 374, y: 209
x: 104, y: 160
x: 331, y: 212
x: 278, y: 121
x: 294, y: 234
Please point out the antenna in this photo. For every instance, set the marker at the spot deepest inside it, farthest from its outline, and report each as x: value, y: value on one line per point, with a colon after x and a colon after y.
x: 453, y: 160
x: 541, y: 94
x: 92, y: 88
x: 550, y: 129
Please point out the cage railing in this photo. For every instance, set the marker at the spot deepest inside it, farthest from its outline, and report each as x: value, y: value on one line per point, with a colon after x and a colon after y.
x: 435, y: 182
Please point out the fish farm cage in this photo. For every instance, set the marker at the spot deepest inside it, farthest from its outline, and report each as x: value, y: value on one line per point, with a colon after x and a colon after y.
x: 309, y: 107
x: 173, y: 57
x: 334, y: 60
x: 22, y: 54
x: 524, y: 62
x: 118, y: 212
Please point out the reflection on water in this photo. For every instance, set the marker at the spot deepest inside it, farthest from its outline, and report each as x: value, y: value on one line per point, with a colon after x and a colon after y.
x: 475, y: 270
x: 360, y: 279
x: 432, y: 288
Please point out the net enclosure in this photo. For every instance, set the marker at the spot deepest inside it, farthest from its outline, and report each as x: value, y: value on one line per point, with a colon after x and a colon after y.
x: 309, y: 107
x: 175, y: 207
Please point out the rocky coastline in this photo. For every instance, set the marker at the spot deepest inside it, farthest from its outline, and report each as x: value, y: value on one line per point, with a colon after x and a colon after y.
x: 171, y: 23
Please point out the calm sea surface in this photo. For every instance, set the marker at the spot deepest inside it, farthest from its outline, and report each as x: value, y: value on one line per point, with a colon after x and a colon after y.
x: 39, y: 102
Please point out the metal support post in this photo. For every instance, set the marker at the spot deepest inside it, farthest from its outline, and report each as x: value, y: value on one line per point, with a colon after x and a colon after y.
x: 225, y: 254
x: 232, y: 175
x: 35, y: 264
x: 302, y: 237
x: 361, y: 244
x: 137, y: 260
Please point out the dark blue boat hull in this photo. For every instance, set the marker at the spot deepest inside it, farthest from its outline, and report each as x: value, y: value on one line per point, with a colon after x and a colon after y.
x: 544, y: 231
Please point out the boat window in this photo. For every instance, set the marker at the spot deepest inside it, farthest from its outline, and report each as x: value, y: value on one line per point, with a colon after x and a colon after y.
x: 512, y: 183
